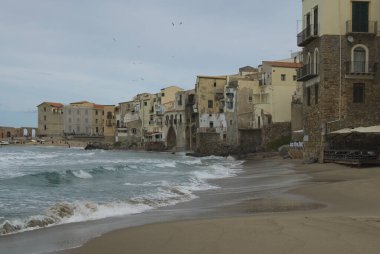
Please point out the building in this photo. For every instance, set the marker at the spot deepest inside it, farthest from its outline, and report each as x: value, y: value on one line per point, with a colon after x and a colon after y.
x: 273, y: 97
x: 178, y: 121
x: 83, y: 119
x: 340, y: 75
x: 128, y: 124
x: 50, y: 119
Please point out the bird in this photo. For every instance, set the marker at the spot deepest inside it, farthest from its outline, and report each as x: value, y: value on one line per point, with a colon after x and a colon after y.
x: 180, y: 23
x: 173, y: 23
x: 114, y: 40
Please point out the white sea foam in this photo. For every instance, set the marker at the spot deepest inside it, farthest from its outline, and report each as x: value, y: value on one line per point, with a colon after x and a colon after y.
x: 82, y: 174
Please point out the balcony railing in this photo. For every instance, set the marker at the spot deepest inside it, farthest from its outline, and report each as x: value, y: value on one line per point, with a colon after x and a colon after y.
x: 362, y: 28
x: 306, y: 72
x: 361, y: 67
x: 307, y: 35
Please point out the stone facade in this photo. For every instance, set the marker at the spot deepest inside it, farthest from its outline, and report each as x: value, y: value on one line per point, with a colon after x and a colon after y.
x: 341, y: 84
x: 50, y: 119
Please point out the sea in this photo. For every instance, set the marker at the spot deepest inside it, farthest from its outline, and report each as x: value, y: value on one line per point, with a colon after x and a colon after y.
x: 43, y: 186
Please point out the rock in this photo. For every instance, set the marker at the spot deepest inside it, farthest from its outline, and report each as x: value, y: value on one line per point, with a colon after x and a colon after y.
x: 62, y: 210
x: 97, y: 145
x: 8, y: 228
x: 283, y: 150
x: 40, y: 223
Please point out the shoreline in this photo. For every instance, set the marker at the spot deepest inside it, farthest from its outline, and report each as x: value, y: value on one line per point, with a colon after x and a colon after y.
x: 336, y: 211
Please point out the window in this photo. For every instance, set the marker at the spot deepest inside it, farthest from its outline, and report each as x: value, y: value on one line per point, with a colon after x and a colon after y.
x: 308, y: 25
x: 249, y: 98
x: 360, y: 16
x: 316, y: 61
x: 96, y: 121
x: 358, y: 93
x: 316, y: 20
x: 162, y: 94
x: 96, y: 112
x: 359, y: 57
x: 210, y: 104
x: 294, y: 77
x: 215, y: 84
x: 180, y: 118
x: 134, y: 130
x: 145, y: 103
x: 45, y: 127
x: 283, y: 77
x: 96, y: 129
x: 316, y: 93
x: 308, y: 94
x: 211, y: 124
x: 45, y: 118
x: 180, y: 99
x: 44, y: 109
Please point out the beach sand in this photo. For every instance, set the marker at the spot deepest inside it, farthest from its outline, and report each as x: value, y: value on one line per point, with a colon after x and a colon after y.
x: 340, y: 213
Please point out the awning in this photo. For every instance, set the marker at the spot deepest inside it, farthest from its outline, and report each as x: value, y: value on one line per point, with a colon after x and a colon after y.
x: 372, y: 129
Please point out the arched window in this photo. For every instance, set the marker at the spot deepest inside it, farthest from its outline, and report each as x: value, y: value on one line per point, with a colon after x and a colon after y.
x: 316, y: 61
x: 359, y: 58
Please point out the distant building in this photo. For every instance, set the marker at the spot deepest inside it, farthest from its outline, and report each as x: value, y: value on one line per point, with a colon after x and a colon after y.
x: 50, y: 119
x: 83, y: 119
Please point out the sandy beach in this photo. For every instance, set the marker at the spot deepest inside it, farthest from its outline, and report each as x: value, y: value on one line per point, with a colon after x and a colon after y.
x: 337, y: 211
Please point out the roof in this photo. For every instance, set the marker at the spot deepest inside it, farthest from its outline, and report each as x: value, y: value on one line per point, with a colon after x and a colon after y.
x: 52, y: 104
x: 247, y: 68
x: 372, y: 129
x: 283, y: 64
x: 98, y: 106
x: 213, y: 77
x: 80, y: 102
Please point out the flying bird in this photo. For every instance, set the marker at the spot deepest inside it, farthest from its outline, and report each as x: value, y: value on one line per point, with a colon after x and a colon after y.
x: 114, y: 40
x: 173, y: 23
x: 180, y: 23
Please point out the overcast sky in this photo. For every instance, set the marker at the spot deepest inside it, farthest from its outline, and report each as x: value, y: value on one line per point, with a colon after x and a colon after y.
x: 106, y: 51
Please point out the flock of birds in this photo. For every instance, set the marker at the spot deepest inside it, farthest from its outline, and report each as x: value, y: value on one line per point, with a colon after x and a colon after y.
x: 139, y: 46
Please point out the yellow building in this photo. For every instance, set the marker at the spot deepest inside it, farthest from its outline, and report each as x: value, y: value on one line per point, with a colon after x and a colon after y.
x: 273, y: 96
x: 50, y: 119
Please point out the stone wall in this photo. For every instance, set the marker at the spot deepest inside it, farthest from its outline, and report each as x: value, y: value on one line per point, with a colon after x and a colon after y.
x: 250, y: 140
x: 274, y: 132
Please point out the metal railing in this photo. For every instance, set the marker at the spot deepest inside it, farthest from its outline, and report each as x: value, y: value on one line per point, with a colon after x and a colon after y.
x: 306, y: 72
x: 308, y: 34
x: 365, y: 28
x: 360, y: 67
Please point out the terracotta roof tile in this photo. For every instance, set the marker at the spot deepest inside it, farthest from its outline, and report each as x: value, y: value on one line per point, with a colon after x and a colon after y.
x: 53, y: 104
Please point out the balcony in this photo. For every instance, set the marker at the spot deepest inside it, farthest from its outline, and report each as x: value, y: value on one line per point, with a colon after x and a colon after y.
x: 369, y: 28
x: 306, y: 72
x: 307, y: 35
x: 361, y: 68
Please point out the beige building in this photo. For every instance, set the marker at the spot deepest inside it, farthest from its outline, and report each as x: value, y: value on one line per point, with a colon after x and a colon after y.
x: 50, y: 119
x: 273, y: 96
x: 341, y: 49
x: 88, y: 119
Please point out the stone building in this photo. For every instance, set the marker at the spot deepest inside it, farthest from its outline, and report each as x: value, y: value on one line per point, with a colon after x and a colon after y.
x: 129, y: 124
x: 50, y: 119
x: 340, y: 75
x: 178, y: 121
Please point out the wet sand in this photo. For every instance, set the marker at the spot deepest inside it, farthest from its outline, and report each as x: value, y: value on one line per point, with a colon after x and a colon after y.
x: 337, y: 211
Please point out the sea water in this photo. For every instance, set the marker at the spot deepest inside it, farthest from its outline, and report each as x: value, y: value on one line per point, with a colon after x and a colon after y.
x: 44, y: 186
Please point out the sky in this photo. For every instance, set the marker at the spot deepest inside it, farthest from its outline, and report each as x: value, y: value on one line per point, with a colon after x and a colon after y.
x: 107, y: 51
